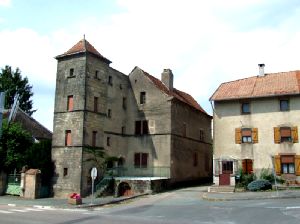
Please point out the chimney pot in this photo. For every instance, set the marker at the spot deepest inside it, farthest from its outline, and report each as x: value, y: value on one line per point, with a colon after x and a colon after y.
x: 261, y: 69
x: 167, y: 78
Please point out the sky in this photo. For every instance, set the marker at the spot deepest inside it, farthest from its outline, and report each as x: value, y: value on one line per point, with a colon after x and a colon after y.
x: 204, y: 43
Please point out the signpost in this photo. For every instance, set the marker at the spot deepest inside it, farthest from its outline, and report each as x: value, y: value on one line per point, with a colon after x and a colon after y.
x: 93, y: 175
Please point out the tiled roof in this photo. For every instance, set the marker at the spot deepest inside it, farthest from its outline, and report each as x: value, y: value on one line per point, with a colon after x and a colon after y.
x: 81, y: 47
x: 272, y: 84
x: 177, y: 94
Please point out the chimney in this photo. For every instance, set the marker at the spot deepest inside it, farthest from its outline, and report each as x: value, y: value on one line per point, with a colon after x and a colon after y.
x: 261, y: 68
x: 167, y: 78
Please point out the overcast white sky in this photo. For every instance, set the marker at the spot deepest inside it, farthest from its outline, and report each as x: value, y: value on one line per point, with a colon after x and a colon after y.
x: 205, y: 43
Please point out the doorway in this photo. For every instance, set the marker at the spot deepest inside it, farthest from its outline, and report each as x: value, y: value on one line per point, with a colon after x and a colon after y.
x: 227, y: 170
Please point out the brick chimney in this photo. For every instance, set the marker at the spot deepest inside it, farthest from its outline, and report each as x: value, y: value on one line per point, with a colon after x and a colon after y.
x: 261, y: 68
x: 167, y: 78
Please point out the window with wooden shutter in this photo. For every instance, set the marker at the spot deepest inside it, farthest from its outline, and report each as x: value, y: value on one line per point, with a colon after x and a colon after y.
x: 247, y: 165
x: 295, y: 134
x: 297, y: 164
x: 276, y: 135
x: 254, y: 135
x: 238, y: 136
x: 70, y: 103
x: 68, y: 139
x: 277, y: 164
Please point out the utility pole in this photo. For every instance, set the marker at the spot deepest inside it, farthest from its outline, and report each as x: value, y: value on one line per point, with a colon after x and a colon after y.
x: 2, y: 99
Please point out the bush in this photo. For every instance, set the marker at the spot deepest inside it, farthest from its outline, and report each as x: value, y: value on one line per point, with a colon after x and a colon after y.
x: 259, y: 185
x: 245, y: 179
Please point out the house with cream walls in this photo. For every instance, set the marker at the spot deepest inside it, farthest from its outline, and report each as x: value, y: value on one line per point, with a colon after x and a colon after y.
x: 256, y: 122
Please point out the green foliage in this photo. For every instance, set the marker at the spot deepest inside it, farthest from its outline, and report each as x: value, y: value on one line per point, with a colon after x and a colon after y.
x: 259, y: 185
x: 266, y: 174
x: 13, y: 146
x: 12, y: 82
x: 38, y: 156
x: 245, y: 179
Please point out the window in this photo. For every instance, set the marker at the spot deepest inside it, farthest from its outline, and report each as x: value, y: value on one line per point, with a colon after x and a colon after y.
x: 227, y: 167
x: 70, y: 103
x: 140, y: 160
x: 195, y: 161
x: 68, y: 138
x: 246, y: 135
x: 288, y: 164
x: 124, y: 103
x: 110, y: 80
x: 71, y: 73
x: 65, y: 172
x: 96, y: 74
x: 109, y: 113
x: 95, y: 104
x: 141, y: 127
x: 284, y: 105
x: 108, y: 141
x: 245, y: 108
x: 285, y: 134
x: 247, y: 166
x: 94, y: 138
x: 201, y: 135
x: 142, y: 97
x: 184, y: 130
x: 123, y: 130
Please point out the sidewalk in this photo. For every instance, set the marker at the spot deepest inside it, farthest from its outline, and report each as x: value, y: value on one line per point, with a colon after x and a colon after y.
x: 61, y: 203
x: 251, y: 195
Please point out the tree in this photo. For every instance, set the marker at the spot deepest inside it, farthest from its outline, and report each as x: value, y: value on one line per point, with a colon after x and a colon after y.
x: 12, y: 82
x: 14, y: 144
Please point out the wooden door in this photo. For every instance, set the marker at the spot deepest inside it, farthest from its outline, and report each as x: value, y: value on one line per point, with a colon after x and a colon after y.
x: 227, y: 170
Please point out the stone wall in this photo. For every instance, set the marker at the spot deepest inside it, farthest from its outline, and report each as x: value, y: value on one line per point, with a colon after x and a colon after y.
x: 3, y: 182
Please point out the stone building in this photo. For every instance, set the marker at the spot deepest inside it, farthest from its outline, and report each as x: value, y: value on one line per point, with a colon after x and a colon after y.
x: 154, y: 129
x: 256, y: 123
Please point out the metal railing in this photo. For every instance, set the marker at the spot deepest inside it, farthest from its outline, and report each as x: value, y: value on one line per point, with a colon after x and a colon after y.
x: 157, y: 171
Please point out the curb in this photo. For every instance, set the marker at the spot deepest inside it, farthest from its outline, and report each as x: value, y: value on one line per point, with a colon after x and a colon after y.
x: 111, y: 202
x: 207, y: 198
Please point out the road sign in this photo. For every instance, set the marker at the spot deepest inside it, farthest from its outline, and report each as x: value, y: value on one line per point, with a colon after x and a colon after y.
x: 94, y: 173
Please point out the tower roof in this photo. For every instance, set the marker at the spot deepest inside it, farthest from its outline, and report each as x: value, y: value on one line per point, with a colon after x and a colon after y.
x: 83, y: 46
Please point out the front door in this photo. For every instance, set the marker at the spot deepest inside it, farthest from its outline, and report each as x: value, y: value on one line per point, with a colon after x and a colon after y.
x: 227, y: 170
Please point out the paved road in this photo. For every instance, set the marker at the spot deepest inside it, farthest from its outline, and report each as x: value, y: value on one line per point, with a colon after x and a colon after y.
x: 177, y: 207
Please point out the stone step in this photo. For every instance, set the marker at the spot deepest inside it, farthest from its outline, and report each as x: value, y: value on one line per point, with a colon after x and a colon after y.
x: 221, y: 189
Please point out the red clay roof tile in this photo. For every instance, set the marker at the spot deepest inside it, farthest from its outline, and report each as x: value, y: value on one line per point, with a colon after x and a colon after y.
x: 272, y: 84
x: 177, y: 94
x: 81, y: 47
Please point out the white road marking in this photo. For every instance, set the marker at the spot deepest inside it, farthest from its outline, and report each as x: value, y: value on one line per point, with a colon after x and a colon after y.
x: 293, y: 207
x: 18, y: 210
x: 5, y: 212
x: 34, y: 209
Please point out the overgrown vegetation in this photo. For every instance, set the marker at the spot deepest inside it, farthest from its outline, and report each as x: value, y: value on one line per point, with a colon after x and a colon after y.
x: 18, y: 149
x: 244, y: 179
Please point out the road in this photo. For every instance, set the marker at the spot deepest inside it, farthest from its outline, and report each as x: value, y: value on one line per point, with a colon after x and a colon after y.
x: 176, y: 207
